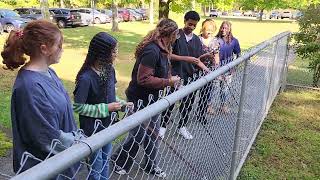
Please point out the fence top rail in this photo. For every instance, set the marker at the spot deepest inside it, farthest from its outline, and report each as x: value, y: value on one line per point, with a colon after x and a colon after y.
x: 56, y: 164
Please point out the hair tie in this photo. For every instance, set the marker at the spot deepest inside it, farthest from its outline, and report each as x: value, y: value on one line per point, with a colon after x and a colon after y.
x: 19, y: 34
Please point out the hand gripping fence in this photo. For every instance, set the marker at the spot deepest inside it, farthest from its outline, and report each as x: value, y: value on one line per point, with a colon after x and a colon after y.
x: 202, y: 129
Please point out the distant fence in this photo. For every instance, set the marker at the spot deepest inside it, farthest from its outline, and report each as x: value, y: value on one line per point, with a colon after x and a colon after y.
x: 224, y: 109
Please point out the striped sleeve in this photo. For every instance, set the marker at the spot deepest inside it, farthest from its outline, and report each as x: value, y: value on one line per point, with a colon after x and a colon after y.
x: 89, y: 110
x: 121, y: 101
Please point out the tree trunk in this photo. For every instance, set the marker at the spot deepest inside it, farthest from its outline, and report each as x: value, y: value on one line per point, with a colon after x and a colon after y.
x: 151, y: 15
x: 193, y: 5
x: 260, y: 15
x: 115, y: 25
x: 62, y: 4
x: 204, y: 9
x: 44, y: 6
x: 164, y: 8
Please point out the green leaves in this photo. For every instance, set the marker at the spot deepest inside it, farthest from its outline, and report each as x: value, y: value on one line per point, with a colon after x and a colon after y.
x: 307, y: 40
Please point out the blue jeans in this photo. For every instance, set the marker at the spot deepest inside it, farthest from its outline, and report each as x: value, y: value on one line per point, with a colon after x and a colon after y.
x: 100, y: 164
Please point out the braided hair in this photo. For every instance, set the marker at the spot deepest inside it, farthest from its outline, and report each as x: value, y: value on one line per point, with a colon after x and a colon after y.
x: 101, y: 48
x: 163, y: 29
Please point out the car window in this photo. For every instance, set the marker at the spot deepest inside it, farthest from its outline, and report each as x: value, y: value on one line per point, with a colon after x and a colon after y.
x: 9, y: 13
x: 57, y: 11
x: 36, y: 11
x: 65, y: 11
x: 22, y: 11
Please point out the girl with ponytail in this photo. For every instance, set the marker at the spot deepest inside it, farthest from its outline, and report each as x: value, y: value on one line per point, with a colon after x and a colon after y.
x: 41, y: 109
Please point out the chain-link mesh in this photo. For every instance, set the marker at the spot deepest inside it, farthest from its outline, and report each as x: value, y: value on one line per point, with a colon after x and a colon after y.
x: 194, y: 137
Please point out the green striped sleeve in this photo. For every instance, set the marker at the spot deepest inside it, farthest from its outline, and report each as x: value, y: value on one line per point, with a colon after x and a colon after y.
x: 89, y: 110
x: 121, y: 101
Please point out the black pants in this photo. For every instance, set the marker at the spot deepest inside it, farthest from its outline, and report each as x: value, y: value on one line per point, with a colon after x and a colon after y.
x: 184, y: 110
x: 147, y: 135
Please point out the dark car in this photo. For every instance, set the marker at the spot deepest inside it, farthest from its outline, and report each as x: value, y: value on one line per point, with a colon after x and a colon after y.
x: 30, y: 13
x: 275, y: 15
x: 65, y: 17
x: 11, y: 20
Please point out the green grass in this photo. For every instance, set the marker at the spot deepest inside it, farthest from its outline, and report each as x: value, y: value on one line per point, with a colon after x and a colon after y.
x: 288, y: 145
x: 5, y: 144
x: 299, y: 73
x: 76, y: 42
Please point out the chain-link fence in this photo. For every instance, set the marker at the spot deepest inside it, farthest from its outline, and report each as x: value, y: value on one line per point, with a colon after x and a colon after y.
x: 203, y: 129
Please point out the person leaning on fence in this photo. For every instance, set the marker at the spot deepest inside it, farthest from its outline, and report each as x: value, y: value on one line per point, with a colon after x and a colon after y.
x: 188, y: 44
x: 95, y: 97
x: 210, y: 45
x: 41, y: 109
x: 229, y: 47
x: 150, y: 74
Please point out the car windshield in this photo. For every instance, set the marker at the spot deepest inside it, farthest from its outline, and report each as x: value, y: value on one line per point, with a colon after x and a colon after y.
x: 37, y: 11
x: 10, y: 14
x: 96, y: 12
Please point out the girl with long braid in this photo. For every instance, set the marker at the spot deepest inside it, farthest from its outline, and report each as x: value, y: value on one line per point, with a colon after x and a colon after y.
x: 150, y: 74
x: 95, y: 96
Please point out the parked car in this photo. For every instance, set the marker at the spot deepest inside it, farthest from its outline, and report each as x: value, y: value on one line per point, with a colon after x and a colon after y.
x: 248, y: 13
x: 30, y: 13
x: 64, y: 17
x: 136, y: 16
x: 125, y: 15
x: 143, y: 12
x: 297, y: 15
x: 274, y: 15
x: 96, y: 16
x: 224, y: 13
x: 285, y: 14
x: 237, y: 13
x: 108, y: 12
x: 11, y: 20
x: 86, y: 20
x: 214, y: 13
x: 258, y: 14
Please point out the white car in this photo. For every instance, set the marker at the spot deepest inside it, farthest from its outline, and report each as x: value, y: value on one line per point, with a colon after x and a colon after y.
x: 214, y: 13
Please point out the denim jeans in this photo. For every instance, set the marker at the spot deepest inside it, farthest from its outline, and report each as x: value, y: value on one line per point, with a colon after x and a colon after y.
x: 100, y: 164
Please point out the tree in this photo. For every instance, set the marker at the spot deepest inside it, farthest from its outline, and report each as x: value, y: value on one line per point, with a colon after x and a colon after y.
x: 115, y: 24
x: 262, y: 5
x: 151, y: 14
x: 307, y: 40
x: 44, y: 6
x: 164, y: 7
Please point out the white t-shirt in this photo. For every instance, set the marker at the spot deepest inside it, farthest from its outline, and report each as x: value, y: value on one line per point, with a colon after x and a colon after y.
x: 188, y: 37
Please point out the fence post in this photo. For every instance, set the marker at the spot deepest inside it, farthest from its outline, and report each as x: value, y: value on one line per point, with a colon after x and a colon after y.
x: 271, y: 76
x: 284, y: 71
x: 238, y: 122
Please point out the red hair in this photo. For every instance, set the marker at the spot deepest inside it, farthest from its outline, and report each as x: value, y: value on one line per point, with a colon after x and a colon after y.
x: 28, y: 42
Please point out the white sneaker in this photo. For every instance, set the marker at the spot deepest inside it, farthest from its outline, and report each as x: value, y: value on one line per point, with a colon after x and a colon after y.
x: 120, y: 171
x: 183, y: 131
x: 162, y: 132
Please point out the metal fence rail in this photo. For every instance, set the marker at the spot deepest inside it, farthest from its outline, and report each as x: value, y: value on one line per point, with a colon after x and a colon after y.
x: 222, y: 110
